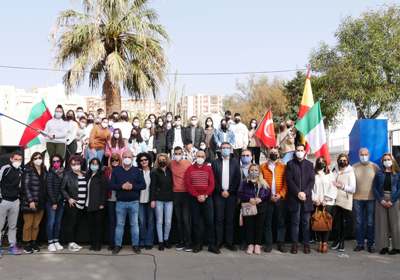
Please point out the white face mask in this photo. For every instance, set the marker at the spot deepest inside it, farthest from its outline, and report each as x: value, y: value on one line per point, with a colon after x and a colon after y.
x: 152, y: 120
x: 177, y: 123
x: 101, y: 116
x: 38, y: 162
x: 110, y: 123
x: 127, y: 161
x: 104, y: 125
x: 136, y: 124
x: 193, y: 122
x: 200, y: 161
x: 160, y: 123
x: 253, y: 125
x: 148, y: 125
x: 300, y: 155
x: 79, y: 114
x: 76, y: 167
x: 82, y: 124
x: 16, y: 164
x: 178, y: 158
x: 116, y: 136
x: 203, y: 147
x: 209, y: 123
x: 387, y: 163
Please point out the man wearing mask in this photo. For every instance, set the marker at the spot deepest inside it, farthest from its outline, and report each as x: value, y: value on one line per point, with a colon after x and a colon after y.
x: 228, y: 118
x: 241, y: 137
x: 274, y: 173
x: 189, y: 152
x: 181, y: 203
x: 195, y: 133
x: 364, y: 200
x: 10, y: 179
x: 79, y: 113
x: 100, y: 113
x: 176, y: 135
x: 169, y: 120
x: 199, y: 181
x: 300, y: 178
x: 227, y: 180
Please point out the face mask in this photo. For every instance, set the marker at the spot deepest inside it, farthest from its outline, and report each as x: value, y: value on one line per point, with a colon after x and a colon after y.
x: 16, y: 164
x: 38, y: 162
x: 300, y: 155
x: 281, y: 127
x: 193, y: 122
x: 200, y: 161
x: 56, y: 165
x: 342, y: 164
x: 76, y: 167
x: 320, y: 165
x: 223, y: 126
x: 209, y: 123
x: 237, y: 120
x: 288, y: 125
x: 152, y: 120
x: 82, y: 124
x: 104, y: 125
x: 69, y: 118
x: 58, y: 115
x: 148, y: 125
x: 254, y: 174
x: 227, y: 118
x: 203, y: 147
x: 136, y: 124
x: 101, y: 116
x: 273, y: 157
x: 169, y: 119
x: 127, y: 161
x: 388, y: 163
x: 162, y: 163
x: 134, y: 135
x: 253, y: 125
x: 94, y: 168
x: 178, y: 158
x: 110, y: 123
x: 124, y: 117
x: 177, y: 123
x: 160, y: 123
x: 364, y: 159
x: 225, y: 152
x: 97, y: 123
x: 90, y: 121
x: 116, y: 136
x: 79, y: 114
x: 246, y: 160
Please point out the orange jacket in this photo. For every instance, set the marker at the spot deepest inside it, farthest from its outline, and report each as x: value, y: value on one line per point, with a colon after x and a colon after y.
x: 280, y: 179
x: 99, y: 137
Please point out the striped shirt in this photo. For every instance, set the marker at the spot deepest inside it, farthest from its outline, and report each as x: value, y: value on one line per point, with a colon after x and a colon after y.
x: 199, y: 180
x: 80, y: 203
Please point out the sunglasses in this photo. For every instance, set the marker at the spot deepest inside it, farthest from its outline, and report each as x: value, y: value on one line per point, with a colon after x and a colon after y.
x: 142, y: 160
x: 37, y: 158
x: 115, y: 160
x: 75, y: 163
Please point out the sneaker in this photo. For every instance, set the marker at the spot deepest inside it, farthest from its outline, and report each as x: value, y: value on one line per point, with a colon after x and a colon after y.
x: 28, y: 248
x: 179, y: 246
x: 51, y: 247
x: 14, y: 251
x: 35, y: 246
x: 188, y: 247
x: 250, y: 249
x: 257, y: 249
x: 79, y: 246
x: 73, y: 247
x: 58, y: 246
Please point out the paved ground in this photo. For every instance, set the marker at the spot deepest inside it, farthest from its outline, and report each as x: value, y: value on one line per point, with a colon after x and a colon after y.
x: 172, y: 264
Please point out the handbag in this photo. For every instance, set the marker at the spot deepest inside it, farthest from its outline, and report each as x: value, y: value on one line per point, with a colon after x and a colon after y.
x: 321, y: 220
x: 249, y: 209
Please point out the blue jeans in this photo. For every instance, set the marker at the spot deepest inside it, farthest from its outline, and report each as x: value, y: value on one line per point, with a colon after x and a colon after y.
x: 163, y: 207
x: 279, y: 208
x: 146, y: 224
x: 207, y: 209
x: 98, y: 154
x: 132, y: 208
x: 287, y: 157
x: 112, y: 215
x: 365, y: 213
x: 54, y: 220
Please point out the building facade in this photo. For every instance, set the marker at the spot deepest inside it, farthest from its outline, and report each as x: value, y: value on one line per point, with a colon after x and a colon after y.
x: 200, y: 105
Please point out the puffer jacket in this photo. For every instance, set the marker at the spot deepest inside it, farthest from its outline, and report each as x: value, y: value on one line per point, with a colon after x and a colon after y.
x: 98, y: 191
x: 199, y: 135
x: 30, y: 189
x: 160, y: 142
x: 53, y: 186
x: 69, y: 185
x: 161, y: 187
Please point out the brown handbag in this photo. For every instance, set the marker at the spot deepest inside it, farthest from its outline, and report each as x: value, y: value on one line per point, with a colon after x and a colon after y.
x: 321, y: 220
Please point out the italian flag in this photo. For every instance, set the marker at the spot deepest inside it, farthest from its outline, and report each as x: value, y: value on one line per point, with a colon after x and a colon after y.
x: 312, y: 127
x: 38, y: 117
x: 85, y: 138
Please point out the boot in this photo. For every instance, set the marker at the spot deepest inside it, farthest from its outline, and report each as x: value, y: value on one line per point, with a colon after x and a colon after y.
x: 335, y: 244
x: 325, y: 248
x: 319, y: 246
x: 111, y: 246
x: 97, y: 247
x: 341, y: 245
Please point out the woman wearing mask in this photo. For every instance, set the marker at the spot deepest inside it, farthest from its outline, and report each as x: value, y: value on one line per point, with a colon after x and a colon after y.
x: 33, y: 199
x: 55, y: 202
x: 223, y: 134
x: 254, y: 142
x: 209, y: 154
x: 115, y: 161
x: 285, y: 140
x: 73, y: 189
x: 323, y: 195
x: 162, y: 196
x: 255, y: 189
x: 124, y: 125
x: 56, y: 130
x: 136, y: 123
x: 90, y: 123
x: 386, y: 188
x: 169, y: 118
x: 160, y: 137
x: 147, y: 133
x: 71, y: 137
x: 98, y: 140
x: 209, y: 131
x: 116, y: 145
x: 111, y: 121
x: 96, y: 200
x: 345, y: 182
x: 152, y: 119
x: 136, y: 144
x: 146, y: 213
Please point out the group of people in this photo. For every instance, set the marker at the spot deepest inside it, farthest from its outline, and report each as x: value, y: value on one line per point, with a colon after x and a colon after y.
x: 163, y: 168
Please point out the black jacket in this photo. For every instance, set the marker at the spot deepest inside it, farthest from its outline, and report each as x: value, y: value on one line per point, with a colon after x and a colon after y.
x: 53, y: 186
x: 171, y: 137
x: 31, y: 189
x: 10, y: 179
x: 234, y: 176
x: 161, y: 186
x: 98, y: 191
x: 69, y: 185
x: 160, y: 142
x: 199, y: 136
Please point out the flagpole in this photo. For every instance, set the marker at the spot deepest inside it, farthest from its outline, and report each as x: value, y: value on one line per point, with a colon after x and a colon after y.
x: 258, y: 125
x: 44, y: 134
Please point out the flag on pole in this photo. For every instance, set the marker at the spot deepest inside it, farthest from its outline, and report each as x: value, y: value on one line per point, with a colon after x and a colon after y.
x: 38, y: 117
x: 266, y: 130
x: 306, y: 103
x: 312, y: 127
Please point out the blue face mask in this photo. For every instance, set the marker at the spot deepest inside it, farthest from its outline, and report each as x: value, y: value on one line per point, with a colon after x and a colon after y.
x: 94, y: 168
x: 246, y: 159
x: 364, y: 159
x: 58, y: 115
x: 225, y: 152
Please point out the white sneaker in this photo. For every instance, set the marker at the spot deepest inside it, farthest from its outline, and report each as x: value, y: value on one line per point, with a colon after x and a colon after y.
x: 51, y: 247
x: 58, y: 246
x: 73, y: 247
x: 79, y: 246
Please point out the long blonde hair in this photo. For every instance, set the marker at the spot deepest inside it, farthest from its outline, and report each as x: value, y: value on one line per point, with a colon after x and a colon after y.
x: 260, y: 180
x: 395, y: 167
x: 167, y: 160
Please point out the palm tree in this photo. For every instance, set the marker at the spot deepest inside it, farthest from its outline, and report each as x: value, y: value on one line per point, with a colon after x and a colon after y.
x: 118, y: 42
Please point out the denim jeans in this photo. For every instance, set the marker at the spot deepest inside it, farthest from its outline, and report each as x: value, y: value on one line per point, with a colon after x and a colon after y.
x: 365, y: 213
x: 287, y: 157
x: 163, y: 208
x: 279, y: 208
x: 146, y: 224
x: 132, y: 208
x: 207, y: 209
x: 112, y: 215
x: 54, y: 220
x: 98, y: 154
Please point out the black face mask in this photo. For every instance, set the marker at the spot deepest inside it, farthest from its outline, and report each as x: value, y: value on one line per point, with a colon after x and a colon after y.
x: 320, y: 165
x: 237, y: 120
x: 227, y: 118
x: 124, y: 118
x: 162, y: 163
x: 134, y: 135
x: 288, y: 125
x: 70, y: 118
x: 97, y: 123
x: 223, y: 126
x: 281, y: 127
x: 342, y: 164
x: 90, y: 121
x: 273, y: 157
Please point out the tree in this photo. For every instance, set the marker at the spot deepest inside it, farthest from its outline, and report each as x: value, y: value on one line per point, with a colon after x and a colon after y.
x: 363, y: 68
x: 119, y: 42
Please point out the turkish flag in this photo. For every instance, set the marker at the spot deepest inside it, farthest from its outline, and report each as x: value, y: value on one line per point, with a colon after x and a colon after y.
x: 266, y: 130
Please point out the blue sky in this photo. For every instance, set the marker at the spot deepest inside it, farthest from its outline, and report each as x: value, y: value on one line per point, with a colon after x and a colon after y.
x: 208, y: 37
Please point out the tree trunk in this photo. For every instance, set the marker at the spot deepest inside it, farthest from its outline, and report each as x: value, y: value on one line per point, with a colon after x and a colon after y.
x: 113, y: 96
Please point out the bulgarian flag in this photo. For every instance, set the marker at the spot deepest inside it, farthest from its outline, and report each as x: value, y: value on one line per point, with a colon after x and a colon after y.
x: 312, y: 127
x: 306, y: 103
x: 38, y: 117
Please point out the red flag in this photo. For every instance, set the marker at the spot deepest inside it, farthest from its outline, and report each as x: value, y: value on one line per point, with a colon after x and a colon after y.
x: 266, y: 130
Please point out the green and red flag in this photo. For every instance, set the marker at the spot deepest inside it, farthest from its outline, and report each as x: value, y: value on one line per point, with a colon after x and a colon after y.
x: 38, y: 117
